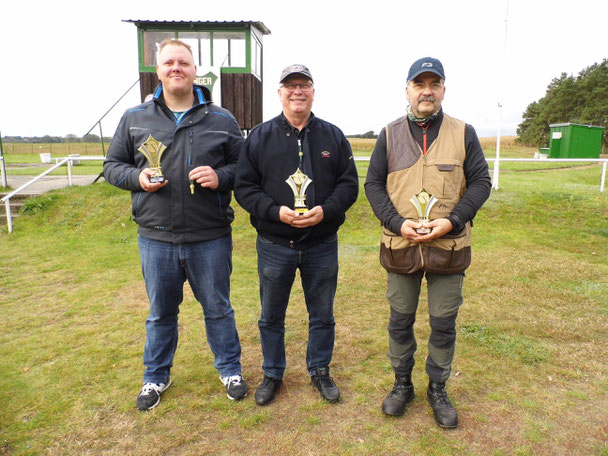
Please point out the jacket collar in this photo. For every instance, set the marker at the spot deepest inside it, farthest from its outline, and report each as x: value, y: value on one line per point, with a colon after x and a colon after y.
x: 436, y: 121
x: 286, y: 125
x: 202, y: 95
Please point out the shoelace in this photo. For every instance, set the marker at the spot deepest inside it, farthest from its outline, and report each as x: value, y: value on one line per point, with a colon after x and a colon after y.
x: 236, y: 379
x: 326, y: 381
x: 441, y: 397
x: 149, y: 387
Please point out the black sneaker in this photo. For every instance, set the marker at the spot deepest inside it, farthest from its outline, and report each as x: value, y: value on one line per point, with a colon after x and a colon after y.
x: 149, y: 397
x: 267, y: 390
x: 443, y: 410
x: 402, y: 394
x: 321, y: 380
x: 236, y: 388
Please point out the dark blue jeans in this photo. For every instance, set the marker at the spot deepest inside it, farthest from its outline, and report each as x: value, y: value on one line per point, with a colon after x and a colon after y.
x: 277, y: 267
x: 207, y: 267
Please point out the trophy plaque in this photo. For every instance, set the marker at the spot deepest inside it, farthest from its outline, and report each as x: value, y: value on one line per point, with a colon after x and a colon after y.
x: 299, y: 182
x: 423, y: 202
x: 153, y: 151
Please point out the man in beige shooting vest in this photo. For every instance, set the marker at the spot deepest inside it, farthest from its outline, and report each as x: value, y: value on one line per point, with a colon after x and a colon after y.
x: 426, y: 180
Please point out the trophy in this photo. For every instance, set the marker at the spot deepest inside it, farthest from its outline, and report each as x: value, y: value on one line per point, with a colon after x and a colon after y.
x: 153, y: 150
x: 299, y: 182
x: 423, y: 202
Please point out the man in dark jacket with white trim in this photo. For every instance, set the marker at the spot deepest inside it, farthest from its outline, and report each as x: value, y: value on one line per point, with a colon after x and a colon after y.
x: 177, y: 155
x: 296, y: 177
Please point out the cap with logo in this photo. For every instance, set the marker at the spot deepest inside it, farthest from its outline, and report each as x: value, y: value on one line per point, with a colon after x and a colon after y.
x: 426, y: 65
x: 295, y: 69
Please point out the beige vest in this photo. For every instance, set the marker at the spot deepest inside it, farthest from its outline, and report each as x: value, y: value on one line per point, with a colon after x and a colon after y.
x: 440, y: 172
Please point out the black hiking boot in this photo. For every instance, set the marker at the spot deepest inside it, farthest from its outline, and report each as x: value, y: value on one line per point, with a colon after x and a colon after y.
x: 401, y: 395
x: 443, y: 410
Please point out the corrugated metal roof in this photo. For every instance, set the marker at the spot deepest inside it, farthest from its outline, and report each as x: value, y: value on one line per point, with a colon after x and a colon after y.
x: 568, y: 124
x: 259, y: 25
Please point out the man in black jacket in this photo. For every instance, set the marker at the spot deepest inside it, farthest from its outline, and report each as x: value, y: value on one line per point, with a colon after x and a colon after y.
x: 296, y: 177
x: 183, y: 212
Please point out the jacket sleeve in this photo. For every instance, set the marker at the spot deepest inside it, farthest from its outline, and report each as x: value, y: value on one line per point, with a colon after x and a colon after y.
x: 346, y: 187
x: 479, y: 183
x: 248, y: 189
x: 375, y: 187
x: 119, y: 166
x: 226, y: 173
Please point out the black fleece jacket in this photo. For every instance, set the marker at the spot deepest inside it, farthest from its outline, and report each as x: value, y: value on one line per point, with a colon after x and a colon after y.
x: 270, y: 155
x: 206, y: 135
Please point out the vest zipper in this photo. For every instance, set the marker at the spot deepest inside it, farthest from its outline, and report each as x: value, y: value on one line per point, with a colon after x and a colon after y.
x: 424, y: 147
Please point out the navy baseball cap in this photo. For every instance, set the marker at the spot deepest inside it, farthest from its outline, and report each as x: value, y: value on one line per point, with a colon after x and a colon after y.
x: 426, y: 65
x: 295, y: 69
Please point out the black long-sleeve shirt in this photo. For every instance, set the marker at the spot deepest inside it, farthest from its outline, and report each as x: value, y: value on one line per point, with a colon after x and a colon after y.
x: 477, y: 175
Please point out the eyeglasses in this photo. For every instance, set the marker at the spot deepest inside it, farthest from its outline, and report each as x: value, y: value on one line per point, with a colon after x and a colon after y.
x: 292, y: 86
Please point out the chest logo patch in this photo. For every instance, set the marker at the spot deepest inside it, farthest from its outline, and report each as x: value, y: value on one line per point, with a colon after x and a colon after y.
x: 325, y: 154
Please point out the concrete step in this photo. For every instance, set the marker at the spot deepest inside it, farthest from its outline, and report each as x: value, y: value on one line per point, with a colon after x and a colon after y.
x: 16, y: 203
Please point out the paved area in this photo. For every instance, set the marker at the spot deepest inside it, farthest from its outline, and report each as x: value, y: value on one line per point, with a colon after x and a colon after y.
x: 46, y: 183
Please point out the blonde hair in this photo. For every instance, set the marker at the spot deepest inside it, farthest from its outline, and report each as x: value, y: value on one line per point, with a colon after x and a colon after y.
x: 174, y: 42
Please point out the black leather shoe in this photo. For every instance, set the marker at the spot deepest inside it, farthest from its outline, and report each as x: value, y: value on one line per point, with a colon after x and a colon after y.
x: 267, y: 390
x: 443, y: 410
x: 321, y: 380
x: 401, y: 395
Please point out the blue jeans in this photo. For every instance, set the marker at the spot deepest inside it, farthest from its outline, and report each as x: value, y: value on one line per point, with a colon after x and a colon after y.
x: 319, y: 273
x: 207, y: 267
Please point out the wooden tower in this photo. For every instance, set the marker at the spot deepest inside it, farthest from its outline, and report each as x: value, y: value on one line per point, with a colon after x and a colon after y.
x: 228, y: 56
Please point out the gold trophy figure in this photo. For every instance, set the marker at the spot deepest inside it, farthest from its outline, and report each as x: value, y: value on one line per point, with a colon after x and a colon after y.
x: 153, y: 151
x: 299, y: 182
x: 423, y: 202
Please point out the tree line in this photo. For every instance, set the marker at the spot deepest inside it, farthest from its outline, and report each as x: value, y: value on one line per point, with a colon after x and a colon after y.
x: 369, y: 135
x: 581, y: 99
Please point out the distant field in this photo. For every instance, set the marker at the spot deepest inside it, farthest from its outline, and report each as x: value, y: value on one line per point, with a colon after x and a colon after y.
x: 365, y: 144
x: 490, y: 141
x: 362, y: 144
x: 21, y: 158
x: 55, y: 149
x: 64, y: 149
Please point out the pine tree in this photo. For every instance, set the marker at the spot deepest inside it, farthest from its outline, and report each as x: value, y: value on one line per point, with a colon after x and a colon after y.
x: 582, y: 99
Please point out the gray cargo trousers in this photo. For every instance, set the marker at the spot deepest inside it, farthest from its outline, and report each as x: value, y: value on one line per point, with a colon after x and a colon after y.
x: 444, y: 300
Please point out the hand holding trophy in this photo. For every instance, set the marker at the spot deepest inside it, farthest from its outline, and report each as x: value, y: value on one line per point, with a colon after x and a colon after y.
x: 423, y: 202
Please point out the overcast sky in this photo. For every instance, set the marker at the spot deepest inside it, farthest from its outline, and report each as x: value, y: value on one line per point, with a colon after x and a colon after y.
x: 64, y: 63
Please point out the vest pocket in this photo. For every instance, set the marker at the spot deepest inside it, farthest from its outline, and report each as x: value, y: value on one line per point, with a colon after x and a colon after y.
x: 445, y: 178
x: 448, y: 254
x: 400, y: 261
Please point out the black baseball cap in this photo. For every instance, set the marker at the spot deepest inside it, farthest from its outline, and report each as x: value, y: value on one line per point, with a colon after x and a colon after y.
x: 426, y: 65
x: 295, y: 69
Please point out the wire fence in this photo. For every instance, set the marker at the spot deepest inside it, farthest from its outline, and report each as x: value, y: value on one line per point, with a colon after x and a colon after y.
x: 62, y: 149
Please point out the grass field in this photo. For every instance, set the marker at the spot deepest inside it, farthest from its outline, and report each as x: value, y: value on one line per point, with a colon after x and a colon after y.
x: 530, y: 374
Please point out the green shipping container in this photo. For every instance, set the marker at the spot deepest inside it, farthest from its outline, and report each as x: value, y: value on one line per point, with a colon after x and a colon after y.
x: 568, y: 140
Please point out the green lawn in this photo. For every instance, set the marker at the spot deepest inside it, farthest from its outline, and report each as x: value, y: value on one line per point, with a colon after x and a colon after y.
x: 530, y: 374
